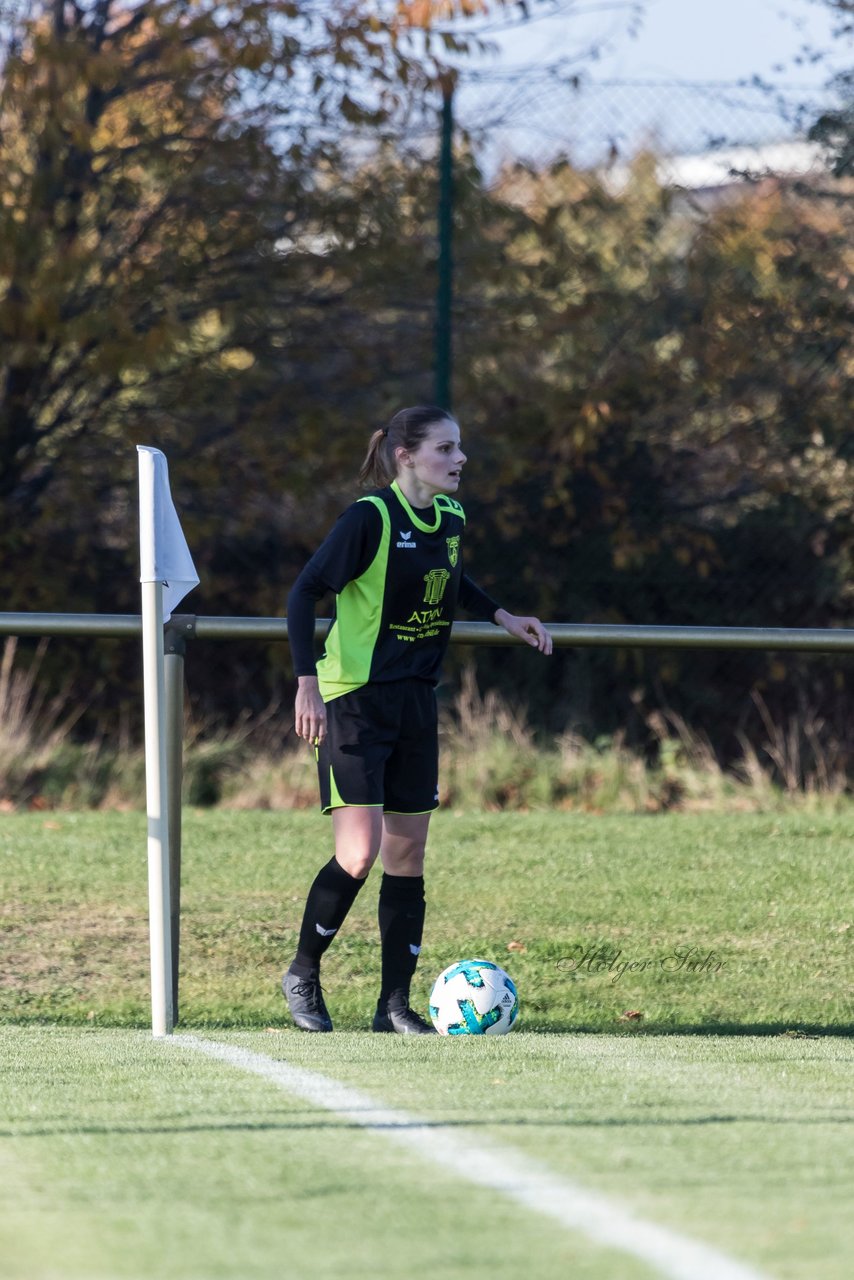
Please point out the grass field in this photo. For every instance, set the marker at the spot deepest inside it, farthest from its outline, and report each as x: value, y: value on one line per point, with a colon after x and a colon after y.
x: 684, y: 1049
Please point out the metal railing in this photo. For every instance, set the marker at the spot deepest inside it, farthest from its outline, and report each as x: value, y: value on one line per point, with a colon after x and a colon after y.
x: 184, y: 626
x: 569, y: 635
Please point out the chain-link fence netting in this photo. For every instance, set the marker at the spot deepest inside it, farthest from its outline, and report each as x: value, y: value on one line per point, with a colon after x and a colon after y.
x: 541, y: 114
x: 651, y: 356
x: 699, y: 258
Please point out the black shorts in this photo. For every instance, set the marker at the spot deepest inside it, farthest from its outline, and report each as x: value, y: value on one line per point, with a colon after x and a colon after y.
x: 381, y: 749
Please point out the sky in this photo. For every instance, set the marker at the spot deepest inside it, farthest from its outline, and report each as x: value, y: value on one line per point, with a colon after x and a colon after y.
x: 677, y: 44
x: 691, y: 39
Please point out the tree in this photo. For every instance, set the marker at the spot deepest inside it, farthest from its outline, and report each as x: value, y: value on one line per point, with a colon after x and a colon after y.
x: 170, y: 207
x: 835, y: 127
x: 155, y: 157
x: 669, y: 395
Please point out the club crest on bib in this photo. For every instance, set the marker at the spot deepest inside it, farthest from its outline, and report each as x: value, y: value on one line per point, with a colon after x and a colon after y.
x: 436, y: 581
x: 453, y: 550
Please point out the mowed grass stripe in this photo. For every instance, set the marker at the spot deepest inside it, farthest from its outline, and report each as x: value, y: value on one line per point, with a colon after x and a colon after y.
x: 487, y: 1165
x: 120, y: 1160
x: 740, y: 1141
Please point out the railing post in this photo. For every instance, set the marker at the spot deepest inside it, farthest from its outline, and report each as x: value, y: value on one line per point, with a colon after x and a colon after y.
x: 445, y: 292
x: 177, y: 630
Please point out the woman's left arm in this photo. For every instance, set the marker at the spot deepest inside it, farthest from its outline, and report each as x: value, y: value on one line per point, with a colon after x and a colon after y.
x: 531, y: 630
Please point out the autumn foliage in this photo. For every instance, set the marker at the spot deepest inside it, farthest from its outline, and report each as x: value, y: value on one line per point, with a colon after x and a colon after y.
x: 214, y: 239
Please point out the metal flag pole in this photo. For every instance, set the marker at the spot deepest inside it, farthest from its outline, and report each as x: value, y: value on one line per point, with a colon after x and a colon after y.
x: 156, y: 803
x: 177, y: 631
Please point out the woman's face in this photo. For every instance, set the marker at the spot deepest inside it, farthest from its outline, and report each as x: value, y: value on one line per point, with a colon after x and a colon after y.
x: 438, y: 461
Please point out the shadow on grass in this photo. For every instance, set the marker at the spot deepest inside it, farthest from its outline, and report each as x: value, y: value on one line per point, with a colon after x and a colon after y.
x: 469, y: 1122
x: 791, y: 1030
x: 784, y: 1030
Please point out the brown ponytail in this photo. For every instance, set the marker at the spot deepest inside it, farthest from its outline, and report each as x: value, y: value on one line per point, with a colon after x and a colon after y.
x: 378, y: 469
x: 407, y: 429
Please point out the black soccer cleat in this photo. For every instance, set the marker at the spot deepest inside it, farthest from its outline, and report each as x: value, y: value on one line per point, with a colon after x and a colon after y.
x: 403, y: 1021
x: 305, y: 1001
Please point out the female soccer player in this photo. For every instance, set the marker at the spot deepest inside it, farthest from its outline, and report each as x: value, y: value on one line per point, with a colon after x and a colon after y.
x: 394, y: 562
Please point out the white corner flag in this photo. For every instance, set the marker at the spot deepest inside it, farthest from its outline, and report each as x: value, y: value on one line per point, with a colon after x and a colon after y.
x: 163, y: 552
x: 167, y: 573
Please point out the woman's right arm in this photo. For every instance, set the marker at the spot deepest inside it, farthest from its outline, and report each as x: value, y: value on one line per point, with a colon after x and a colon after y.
x: 343, y: 555
x: 309, y: 708
x: 309, y: 711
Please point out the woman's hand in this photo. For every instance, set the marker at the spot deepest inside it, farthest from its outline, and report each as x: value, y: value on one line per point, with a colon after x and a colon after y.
x: 531, y: 630
x: 310, y: 711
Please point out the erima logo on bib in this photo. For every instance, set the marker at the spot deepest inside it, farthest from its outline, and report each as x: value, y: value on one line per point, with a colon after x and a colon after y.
x: 405, y: 539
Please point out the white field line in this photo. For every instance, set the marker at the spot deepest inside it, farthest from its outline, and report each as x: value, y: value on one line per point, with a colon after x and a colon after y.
x: 501, y: 1169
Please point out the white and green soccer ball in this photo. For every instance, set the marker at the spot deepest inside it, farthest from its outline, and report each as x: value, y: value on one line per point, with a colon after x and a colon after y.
x: 474, y: 998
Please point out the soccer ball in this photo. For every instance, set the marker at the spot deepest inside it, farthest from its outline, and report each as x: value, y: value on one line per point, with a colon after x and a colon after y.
x: 473, y: 998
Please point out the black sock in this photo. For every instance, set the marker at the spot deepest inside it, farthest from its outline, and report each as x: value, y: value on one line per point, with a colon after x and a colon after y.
x: 329, y: 899
x: 401, y: 916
